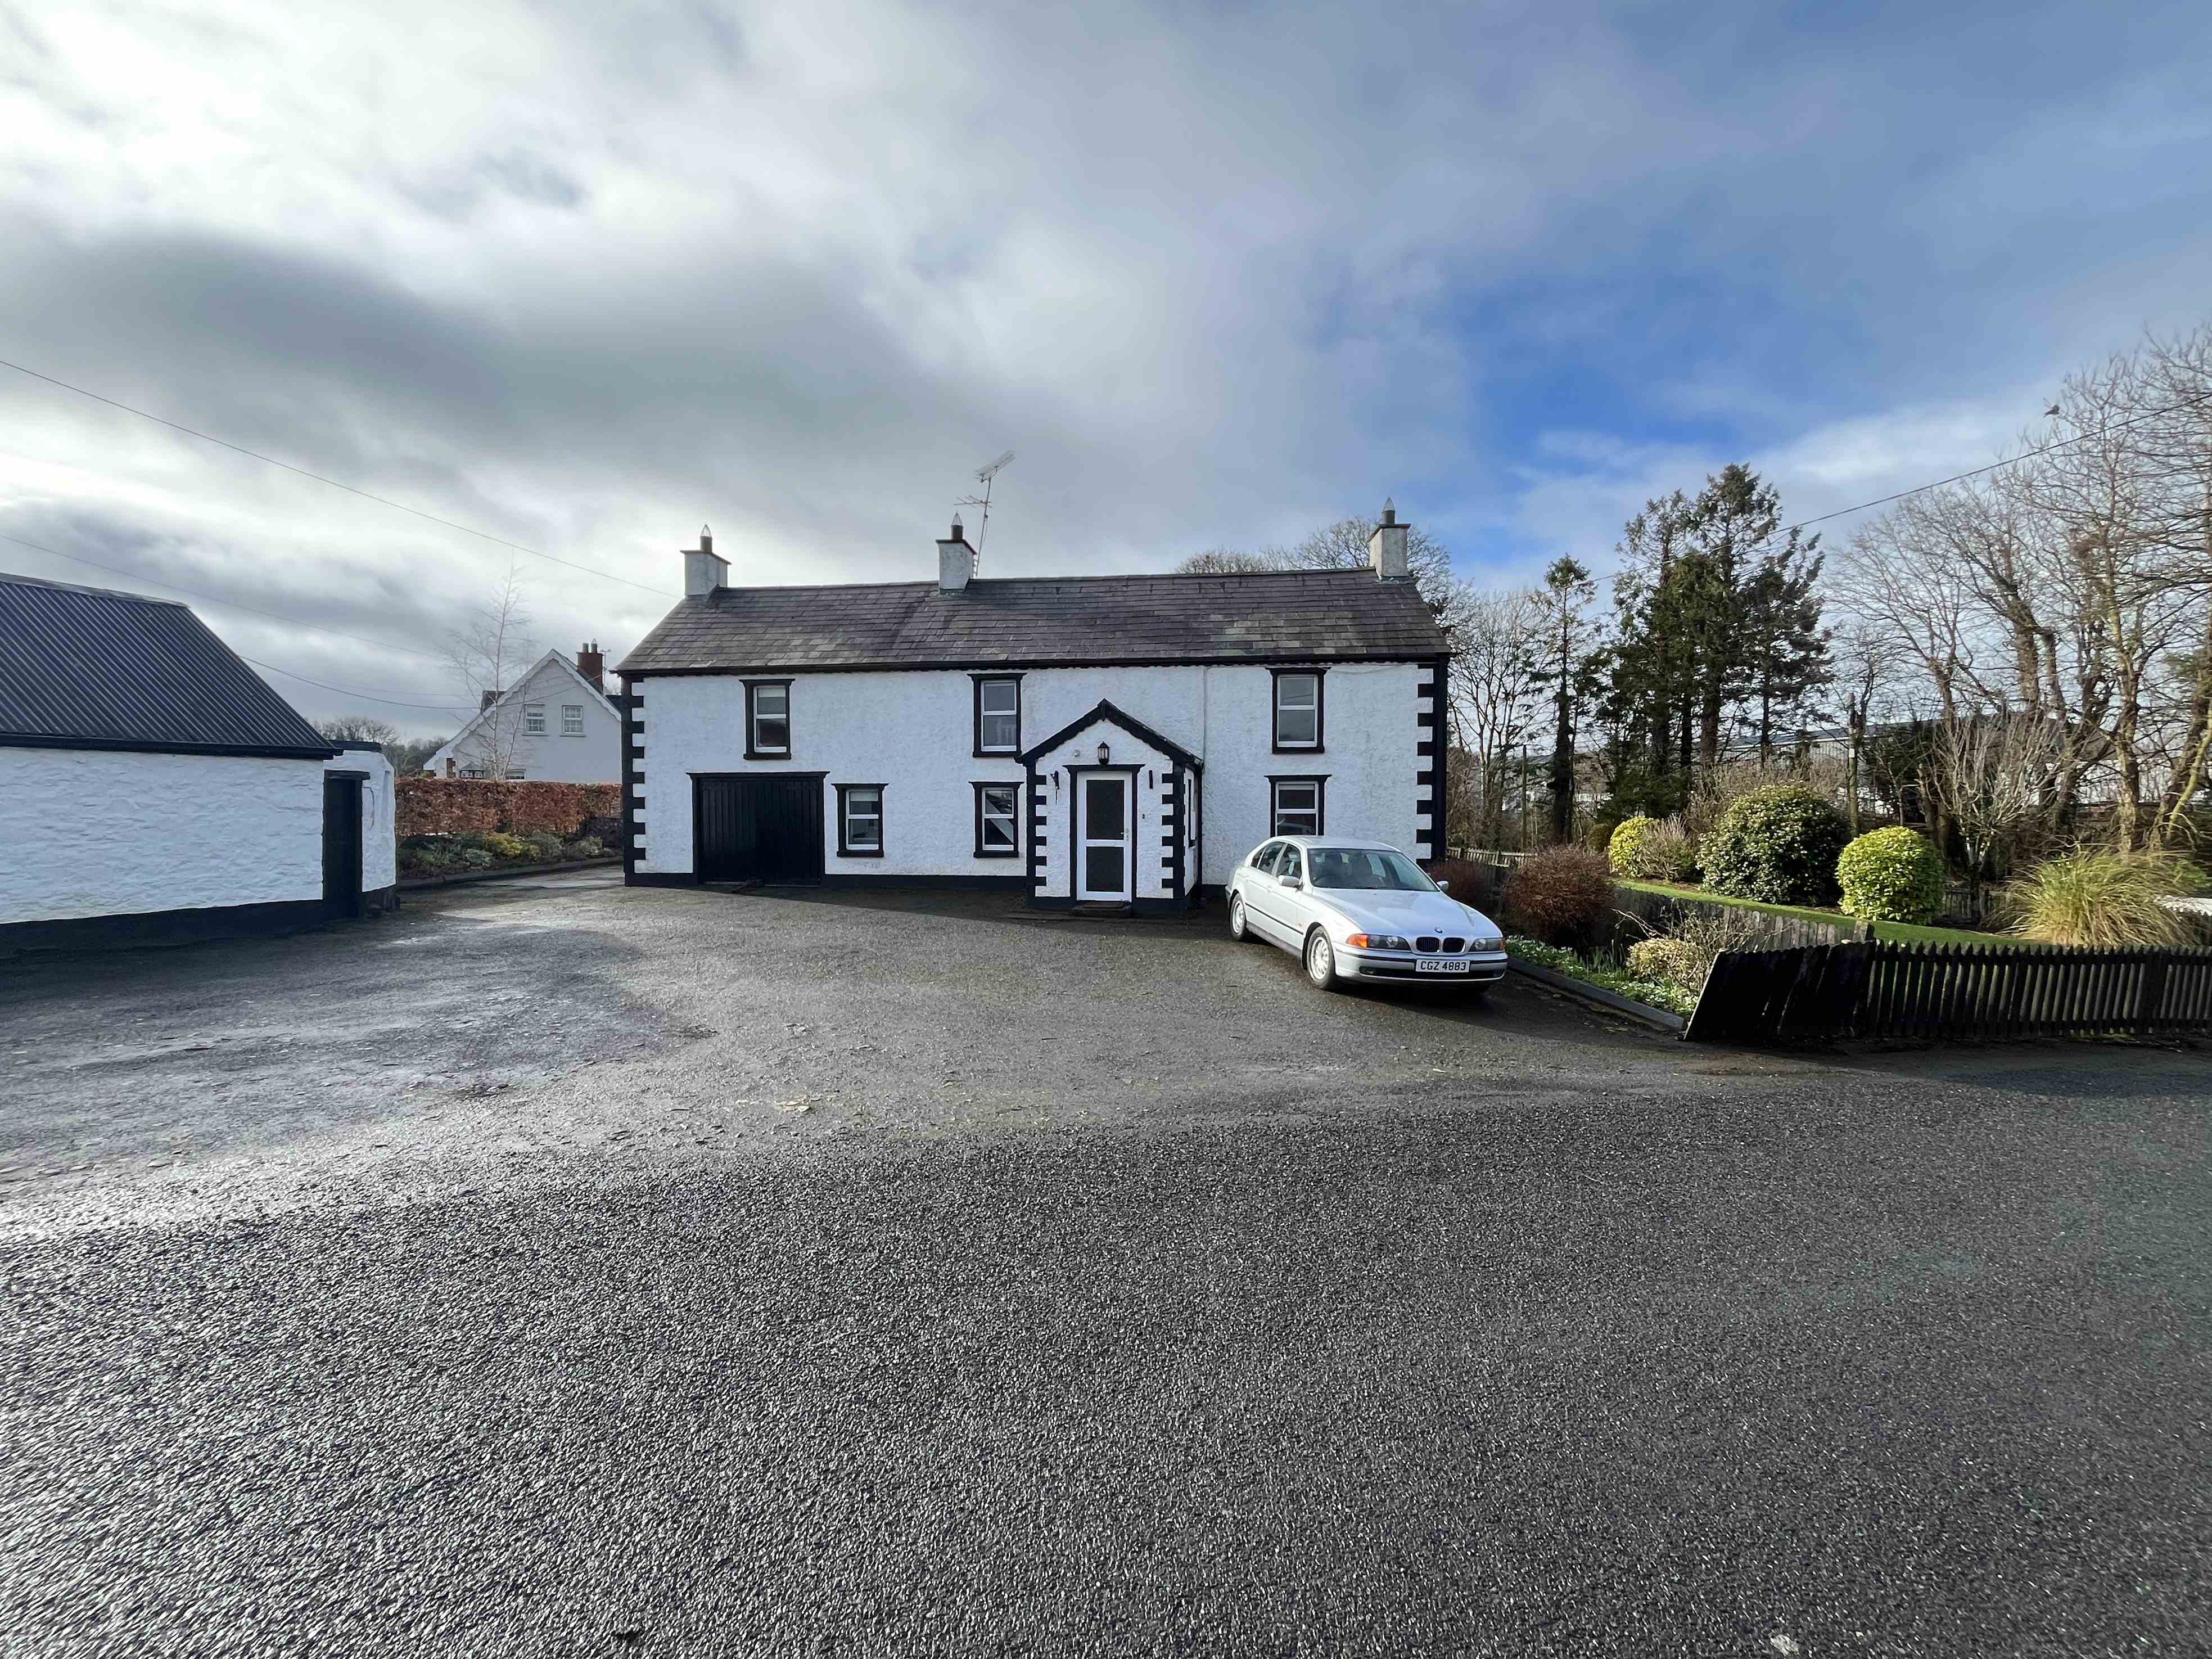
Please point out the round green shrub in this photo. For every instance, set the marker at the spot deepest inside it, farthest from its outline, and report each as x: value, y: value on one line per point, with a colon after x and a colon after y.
x: 475, y: 858
x: 1626, y: 841
x: 1778, y: 845
x: 587, y: 847
x: 544, y: 844
x: 1892, y: 875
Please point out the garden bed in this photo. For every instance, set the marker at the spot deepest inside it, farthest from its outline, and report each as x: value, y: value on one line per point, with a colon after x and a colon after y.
x: 1846, y: 927
x: 1669, y: 1005
x: 500, y: 873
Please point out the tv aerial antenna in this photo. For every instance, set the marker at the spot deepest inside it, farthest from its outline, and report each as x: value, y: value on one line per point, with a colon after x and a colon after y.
x: 984, y: 475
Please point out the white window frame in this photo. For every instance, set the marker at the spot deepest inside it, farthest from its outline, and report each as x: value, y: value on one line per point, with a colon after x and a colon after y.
x: 1287, y: 677
x: 1011, y: 818
x: 755, y: 715
x: 572, y: 719
x: 1281, y: 816
x: 849, y: 846
x: 985, y: 713
x: 533, y: 718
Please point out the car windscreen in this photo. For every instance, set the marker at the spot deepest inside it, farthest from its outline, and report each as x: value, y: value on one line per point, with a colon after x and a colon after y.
x: 1371, y: 868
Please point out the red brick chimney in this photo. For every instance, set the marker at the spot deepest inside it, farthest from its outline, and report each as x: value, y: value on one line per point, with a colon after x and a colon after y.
x: 591, y: 663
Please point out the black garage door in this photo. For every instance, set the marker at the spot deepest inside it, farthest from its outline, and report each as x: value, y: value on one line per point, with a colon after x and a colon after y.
x: 755, y: 828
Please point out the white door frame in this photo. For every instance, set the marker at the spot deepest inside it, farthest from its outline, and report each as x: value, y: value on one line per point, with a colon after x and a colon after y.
x: 1125, y: 780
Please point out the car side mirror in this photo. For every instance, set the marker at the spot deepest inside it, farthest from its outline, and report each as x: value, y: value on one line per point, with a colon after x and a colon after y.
x: 1444, y: 887
x: 1292, y: 881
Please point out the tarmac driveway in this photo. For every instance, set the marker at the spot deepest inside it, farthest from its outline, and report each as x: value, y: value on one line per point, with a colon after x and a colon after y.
x: 558, y: 1269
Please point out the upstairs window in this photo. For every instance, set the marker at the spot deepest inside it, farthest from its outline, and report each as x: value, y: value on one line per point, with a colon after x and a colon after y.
x: 572, y: 719
x: 998, y: 714
x: 1297, y: 710
x: 1295, y: 809
x: 996, y: 806
x: 767, y: 719
x: 533, y: 717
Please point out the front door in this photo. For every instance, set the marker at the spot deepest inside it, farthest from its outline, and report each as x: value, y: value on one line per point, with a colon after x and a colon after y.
x: 1102, y: 835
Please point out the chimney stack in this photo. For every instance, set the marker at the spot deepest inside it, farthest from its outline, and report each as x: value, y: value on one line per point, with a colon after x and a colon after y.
x: 1386, y: 548
x: 702, y: 571
x: 956, y: 560
x: 591, y: 663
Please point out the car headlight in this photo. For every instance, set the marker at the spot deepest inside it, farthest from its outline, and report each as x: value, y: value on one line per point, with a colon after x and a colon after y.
x: 1492, y: 942
x: 1377, y: 942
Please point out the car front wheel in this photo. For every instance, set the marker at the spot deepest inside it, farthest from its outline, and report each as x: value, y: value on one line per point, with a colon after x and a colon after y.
x: 1237, y: 930
x: 1321, y: 960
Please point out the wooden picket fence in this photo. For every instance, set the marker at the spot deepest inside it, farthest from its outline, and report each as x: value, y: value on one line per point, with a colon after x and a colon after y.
x: 1968, y: 993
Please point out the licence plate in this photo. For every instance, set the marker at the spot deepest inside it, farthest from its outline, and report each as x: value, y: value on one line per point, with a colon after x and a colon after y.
x: 1441, y: 965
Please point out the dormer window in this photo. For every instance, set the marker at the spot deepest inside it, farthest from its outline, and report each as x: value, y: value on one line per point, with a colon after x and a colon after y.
x: 998, y: 713
x: 1297, y: 709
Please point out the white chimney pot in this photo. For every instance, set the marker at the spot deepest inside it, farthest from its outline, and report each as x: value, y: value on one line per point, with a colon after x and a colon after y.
x: 956, y: 561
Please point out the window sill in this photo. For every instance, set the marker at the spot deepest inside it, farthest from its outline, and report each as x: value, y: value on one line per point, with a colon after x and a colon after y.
x: 765, y: 754
x: 859, y: 853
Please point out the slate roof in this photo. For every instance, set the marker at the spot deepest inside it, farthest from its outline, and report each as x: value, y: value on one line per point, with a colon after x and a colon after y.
x: 85, y: 667
x: 1046, y: 622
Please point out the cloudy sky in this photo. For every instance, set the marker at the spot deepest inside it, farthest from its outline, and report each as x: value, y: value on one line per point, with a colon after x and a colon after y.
x: 585, y: 276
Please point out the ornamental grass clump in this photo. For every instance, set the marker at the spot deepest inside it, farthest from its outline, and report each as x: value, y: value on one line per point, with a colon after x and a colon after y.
x: 2098, y: 899
x: 1561, y: 896
x: 1652, y: 849
x: 1778, y: 845
x: 1892, y: 875
x: 1676, y: 961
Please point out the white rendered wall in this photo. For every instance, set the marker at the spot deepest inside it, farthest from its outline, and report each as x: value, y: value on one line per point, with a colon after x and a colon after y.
x: 97, y: 833
x: 549, y: 757
x: 380, y: 841
x: 914, y: 732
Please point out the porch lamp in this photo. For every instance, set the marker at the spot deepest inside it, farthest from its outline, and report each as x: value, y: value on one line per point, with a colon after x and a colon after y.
x: 1104, y: 754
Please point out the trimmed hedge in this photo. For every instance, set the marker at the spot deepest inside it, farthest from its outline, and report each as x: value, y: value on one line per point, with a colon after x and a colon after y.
x: 457, y: 806
x: 1892, y: 875
x: 1779, y: 844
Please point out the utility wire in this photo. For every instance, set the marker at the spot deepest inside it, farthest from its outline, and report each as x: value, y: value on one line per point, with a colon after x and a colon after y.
x: 347, y: 691
x: 293, y: 621
x: 2010, y: 460
x: 383, y: 501
x: 209, y: 599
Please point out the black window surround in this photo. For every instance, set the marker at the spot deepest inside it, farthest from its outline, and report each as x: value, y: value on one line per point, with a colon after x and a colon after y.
x: 1318, y: 676
x: 1013, y: 747
x: 845, y: 846
x: 1319, y: 810
x: 753, y: 718
x: 1011, y: 816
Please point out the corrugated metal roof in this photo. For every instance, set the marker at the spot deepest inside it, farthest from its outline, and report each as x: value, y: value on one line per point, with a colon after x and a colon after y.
x: 1041, y: 621
x: 91, y: 666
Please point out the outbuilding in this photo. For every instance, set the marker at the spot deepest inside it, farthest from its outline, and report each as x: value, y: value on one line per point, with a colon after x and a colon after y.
x: 154, y: 789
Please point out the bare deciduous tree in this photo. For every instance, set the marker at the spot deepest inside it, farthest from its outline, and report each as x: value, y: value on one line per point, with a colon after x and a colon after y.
x: 487, y: 656
x: 1994, y: 775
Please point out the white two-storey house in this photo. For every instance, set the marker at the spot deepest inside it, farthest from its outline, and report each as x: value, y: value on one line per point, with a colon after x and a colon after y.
x: 1084, y: 740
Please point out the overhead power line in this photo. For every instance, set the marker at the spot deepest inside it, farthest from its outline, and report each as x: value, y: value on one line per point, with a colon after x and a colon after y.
x: 209, y: 599
x: 294, y: 622
x: 366, y: 494
x: 348, y: 691
x: 2010, y: 460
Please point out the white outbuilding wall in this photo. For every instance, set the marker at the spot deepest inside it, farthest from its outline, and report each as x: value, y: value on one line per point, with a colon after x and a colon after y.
x: 99, y: 832
x: 913, y: 732
x: 379, y: 839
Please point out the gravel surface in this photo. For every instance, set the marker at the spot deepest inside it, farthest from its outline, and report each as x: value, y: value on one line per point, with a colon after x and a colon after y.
x: 553, y: 1270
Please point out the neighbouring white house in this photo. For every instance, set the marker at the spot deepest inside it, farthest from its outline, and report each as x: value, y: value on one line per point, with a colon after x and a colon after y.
x: 1111, y: 740
x: 556, y: 724
x: 154, y: 789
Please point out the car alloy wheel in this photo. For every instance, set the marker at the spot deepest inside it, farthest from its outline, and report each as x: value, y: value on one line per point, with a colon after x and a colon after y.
x: 1321, y: 960
x: 1237, y: 927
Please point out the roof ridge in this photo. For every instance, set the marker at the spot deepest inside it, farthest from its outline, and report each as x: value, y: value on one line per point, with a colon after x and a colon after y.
x: 1009, y: 581
x: 82, y: 587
